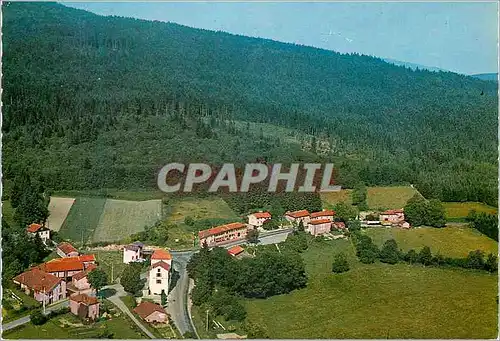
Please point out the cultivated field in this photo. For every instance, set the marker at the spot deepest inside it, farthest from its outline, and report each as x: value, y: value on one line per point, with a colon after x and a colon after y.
x: 460, y: 210
x: 332, y: 198
x: 58, y: 210
x: 448, y: 241
x: 121, y: 218
x: 385, y: 198
x: 82, y: 219
x: 199, y: 209
x: 380, y: 301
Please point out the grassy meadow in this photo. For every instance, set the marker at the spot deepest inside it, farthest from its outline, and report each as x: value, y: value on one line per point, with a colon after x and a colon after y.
x: 83, y: 219
x: 110, y: 260
x: 121, y: 218
x: 460, y: 210
x: 384, y: 198
x: 448, y: 241
x: 198, y: 208
x: 380, y: 301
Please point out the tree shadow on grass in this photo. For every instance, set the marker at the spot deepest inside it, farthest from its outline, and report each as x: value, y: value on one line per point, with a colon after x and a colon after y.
x: 107, y: 293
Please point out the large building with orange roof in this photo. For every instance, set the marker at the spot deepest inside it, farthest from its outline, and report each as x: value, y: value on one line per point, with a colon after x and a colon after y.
x: 298, y: 216
x: 159, y: 272
x: 222, y: 234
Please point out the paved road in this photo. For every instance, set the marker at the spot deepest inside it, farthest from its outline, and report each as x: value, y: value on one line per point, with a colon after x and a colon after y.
x: 26, y: 319
x: 115, y: 299
x: 178, y: 299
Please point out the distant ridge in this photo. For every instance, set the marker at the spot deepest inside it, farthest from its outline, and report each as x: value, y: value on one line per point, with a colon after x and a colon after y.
x: 414, y: 66
x: 487, y: 76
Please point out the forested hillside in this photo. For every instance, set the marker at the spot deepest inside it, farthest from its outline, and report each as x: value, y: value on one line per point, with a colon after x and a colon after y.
x: 92, y: 102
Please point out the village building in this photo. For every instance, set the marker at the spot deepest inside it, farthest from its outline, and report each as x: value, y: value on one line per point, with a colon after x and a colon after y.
x: 340, y: 225
x: 44, y: 286
x: 84, y: 306
x: 391, y: 217
x: 298, y: 216
x: 151, y: 312
x: 325, y: 214
x: 65, y: 249
x: 79, y: 281
x: 318, y: 227
x: 68, y: 266
x: 222, y: 234
x: 257, y: 219
x: 159, y: 272
x: 133, y: 253
x: 40, y: 230
x: 235, y: 250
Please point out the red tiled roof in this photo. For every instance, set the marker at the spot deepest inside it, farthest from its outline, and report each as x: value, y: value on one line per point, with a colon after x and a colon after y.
x: 34, y: 228
x: 298, y: 214
x: 147, y: 308
x: 85, y: 299
x: 235, y: 250
x: 391, y: 212
x: 87, y: 258
x: 220, y: 229
x: 82, y: 274
x: 319, y: 221
x: 38, y: 280
x: 57, y: 265
x: 326, y: 213
x: 161, y: 254
x: 66, y: 247
x: 261, y: 215
x: 160, y: 264
x: 339, y: 224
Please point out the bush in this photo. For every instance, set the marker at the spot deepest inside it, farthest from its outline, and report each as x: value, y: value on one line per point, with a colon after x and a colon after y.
x: 340, y: 263
x: 37, y: 317
x: 425, y: 256
x: 475, y: 260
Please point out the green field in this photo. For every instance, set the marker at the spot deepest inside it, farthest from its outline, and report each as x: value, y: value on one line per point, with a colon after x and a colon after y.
x: 332, y: 198
x: 69, y: 326
x: 380, y: 301
x: 460, y: 210
x: 199, y: 209
x: 121, y: 218
x: 385, y: 198
x: 110, y: 261
x: 83, y: 219
x: 448, y: 241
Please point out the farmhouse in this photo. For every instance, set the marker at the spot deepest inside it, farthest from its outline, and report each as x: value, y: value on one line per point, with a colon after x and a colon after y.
x: 221, y: 234
x: 67, y: 267
x: 235, y: 250
x: 84, y: 306
x: 258, y: 218
x: 159, y: 272
x: 391, y: 217
x: 151, y: 313
x: 65, y: 249
x: 298, y: 216
x: 44, y: 286
x: 319, y: 226
x: 133, y: 253
x: 40, y: 230
x: 325, y: 214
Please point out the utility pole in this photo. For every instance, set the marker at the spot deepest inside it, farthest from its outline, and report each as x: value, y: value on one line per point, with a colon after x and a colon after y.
x: 207, y: 320
x: 44, y: 297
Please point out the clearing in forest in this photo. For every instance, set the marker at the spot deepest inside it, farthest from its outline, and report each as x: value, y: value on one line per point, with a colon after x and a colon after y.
x: 198, y: 208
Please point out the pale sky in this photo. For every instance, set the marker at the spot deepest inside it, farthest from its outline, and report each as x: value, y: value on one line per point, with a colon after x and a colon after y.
x: 460, y: 37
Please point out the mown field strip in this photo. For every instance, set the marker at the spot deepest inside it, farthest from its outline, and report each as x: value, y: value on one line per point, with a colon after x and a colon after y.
x: 121, y: 218
x: 82, y: 219
x: 58, y: 211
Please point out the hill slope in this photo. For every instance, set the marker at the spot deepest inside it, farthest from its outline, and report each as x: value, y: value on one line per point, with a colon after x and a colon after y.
x: 76, y: 83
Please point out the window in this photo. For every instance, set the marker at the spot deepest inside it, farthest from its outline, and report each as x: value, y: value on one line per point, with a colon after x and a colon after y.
x: 158, y: 274
x: 158, y: 281
x: 159, y: 270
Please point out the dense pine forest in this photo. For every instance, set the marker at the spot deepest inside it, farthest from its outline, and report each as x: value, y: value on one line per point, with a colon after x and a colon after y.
x: 95, y: 102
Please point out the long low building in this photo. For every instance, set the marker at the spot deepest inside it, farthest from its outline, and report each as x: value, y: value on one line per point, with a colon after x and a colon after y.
x: 41, y: 285
x: 222, y: 234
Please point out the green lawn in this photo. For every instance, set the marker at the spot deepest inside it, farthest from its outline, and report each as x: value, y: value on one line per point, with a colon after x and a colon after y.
x: 460, y: 210
x: 380, y: 301
x: 69, y: 326
x: 198, y: 208
x: 83, y: 219
x: 384, y: 198
x: 111, y: 259
x: 449, y: 241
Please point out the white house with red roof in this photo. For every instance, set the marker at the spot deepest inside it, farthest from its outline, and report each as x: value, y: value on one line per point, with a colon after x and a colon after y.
x: 44, y: 286
x: 133, y: 253
x: 65, y: 249
x: 392, y: 217
x: 298, y: 216
x: 222, y: 234
x: 40, y: 230
x: 325, y: 214
x: 257, y: 219
x: 318, y: 227
x: 159, y: 272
